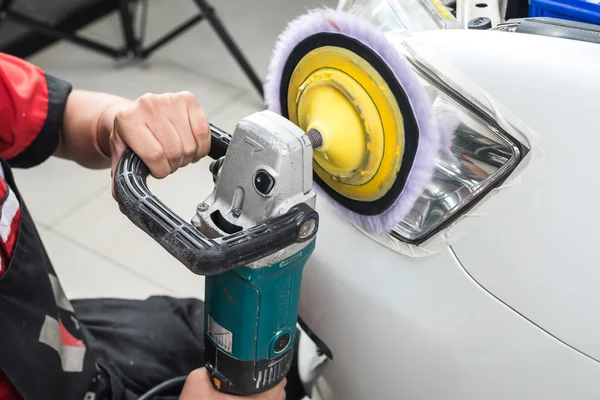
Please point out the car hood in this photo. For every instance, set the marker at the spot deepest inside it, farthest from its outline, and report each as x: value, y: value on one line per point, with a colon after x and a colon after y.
x: 538, y: 252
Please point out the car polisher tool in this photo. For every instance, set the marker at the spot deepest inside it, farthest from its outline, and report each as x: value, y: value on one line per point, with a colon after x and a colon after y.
x: 336, y: 75
x: 359, y: 110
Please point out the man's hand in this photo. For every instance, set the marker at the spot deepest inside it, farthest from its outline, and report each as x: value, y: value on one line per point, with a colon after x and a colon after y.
x: 198, y: 387
x: 167, y: 131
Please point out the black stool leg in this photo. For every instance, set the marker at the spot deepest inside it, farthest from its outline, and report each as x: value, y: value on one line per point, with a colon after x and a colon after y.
x: 216, y: 23
x: 4, y: 4
x: 131, y: 43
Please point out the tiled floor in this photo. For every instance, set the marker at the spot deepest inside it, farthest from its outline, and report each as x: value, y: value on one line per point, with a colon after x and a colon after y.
x: 95, y: 249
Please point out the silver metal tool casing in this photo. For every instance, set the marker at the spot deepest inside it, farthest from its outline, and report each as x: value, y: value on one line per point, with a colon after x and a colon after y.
x: 263, y: 142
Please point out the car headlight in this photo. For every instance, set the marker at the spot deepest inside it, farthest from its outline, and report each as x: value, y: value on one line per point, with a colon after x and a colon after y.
x: 490, y: 149
x: 483, y: 153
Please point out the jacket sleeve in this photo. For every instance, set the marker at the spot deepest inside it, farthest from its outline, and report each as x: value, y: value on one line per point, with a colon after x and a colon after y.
x: 32, y: 106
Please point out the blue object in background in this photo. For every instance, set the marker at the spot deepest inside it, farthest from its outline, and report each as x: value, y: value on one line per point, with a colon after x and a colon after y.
x: 573, y: 10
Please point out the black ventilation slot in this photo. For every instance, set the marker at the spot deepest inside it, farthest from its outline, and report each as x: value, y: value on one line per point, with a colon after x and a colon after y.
x: 219, y: 220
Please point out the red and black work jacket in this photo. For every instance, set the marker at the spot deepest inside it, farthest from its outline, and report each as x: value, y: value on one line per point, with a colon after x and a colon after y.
x: 43, y: 351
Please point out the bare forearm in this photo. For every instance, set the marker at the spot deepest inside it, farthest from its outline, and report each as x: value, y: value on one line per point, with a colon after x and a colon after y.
x: 88, y: 118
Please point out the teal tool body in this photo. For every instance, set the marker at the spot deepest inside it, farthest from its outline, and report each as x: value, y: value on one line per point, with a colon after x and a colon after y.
x: 251, y: 317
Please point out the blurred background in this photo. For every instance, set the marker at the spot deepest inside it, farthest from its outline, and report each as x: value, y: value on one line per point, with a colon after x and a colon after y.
x: 97, y: 251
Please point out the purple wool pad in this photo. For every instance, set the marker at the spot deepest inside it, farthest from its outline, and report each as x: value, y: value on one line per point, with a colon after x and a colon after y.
x: 430, y: 138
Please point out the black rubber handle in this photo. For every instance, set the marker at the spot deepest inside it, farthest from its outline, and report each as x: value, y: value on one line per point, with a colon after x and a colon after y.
x: 219, y: 142
x: 198, y: 253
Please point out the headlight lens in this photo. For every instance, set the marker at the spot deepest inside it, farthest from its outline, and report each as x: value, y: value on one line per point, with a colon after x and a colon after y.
x: 481, y: 156
x: 488, y: 145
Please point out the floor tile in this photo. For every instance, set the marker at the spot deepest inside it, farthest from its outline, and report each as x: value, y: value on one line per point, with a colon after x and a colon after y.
x: 136, y: 79
x: 100, y: 227
x: 56, y: 187
x: 254, y: 26
x: 185, y: 189
x: 86, y: 275
x: 86, y: 69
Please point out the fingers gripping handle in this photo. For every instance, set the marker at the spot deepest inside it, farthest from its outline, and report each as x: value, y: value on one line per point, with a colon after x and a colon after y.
x: 198, y: 253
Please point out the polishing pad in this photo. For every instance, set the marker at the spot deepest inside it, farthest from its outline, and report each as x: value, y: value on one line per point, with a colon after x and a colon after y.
x: 337, y: 74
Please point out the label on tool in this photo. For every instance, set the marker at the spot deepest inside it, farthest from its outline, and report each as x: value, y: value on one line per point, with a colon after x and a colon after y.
x: 220, y: 335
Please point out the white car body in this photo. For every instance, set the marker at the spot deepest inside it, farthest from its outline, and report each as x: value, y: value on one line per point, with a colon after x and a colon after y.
x: 509, y: 311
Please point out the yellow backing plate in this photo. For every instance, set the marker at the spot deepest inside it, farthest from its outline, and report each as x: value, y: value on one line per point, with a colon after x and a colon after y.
x: 341, y: 95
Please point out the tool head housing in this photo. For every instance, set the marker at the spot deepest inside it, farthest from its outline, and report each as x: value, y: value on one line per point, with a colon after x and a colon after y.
x: 267, y: 170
